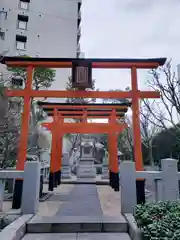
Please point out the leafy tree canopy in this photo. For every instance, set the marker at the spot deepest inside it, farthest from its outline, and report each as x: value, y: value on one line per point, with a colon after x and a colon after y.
x: 42, y: 77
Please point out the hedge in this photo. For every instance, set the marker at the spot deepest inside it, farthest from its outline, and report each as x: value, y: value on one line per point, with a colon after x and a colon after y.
x: 160, y: 221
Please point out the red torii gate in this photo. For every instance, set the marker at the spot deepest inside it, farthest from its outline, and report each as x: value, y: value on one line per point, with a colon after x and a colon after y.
x: 28, y: 93
x: 58, y: 128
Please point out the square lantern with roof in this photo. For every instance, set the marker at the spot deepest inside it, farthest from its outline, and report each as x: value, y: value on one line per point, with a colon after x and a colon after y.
x: 82, y: 74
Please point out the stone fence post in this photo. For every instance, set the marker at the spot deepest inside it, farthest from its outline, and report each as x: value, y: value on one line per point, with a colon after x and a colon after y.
x: 128, y: 186
x: 66, y: 172
x: 31, y: 188
x: 2, y: 186
x: 170, y: 183
x: 167, y: 183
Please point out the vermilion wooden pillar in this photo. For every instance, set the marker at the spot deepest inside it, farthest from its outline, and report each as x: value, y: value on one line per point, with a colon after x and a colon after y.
x: 59, y: 159
x: 16, y: 202
x: 52, y: 174
x: 113, y: 155
x: 136, y: 121
x: 140, y: 183
x: 59, y: 149
x: 115, y: 165
x: 110, y: 160
x: 56, y: 151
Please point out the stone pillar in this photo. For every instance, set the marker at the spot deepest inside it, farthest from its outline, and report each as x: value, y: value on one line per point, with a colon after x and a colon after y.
x: 10, y: 185
x: 158, y: 190
x: 105, y: 168
x: 170, y: 186
x: 2, y: 185
x: 128, y: 186
x: 44, y: 156
x: 31, y: 188
x: 66, y: 171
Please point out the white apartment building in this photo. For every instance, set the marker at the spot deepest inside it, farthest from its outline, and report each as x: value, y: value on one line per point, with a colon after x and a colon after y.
x: 41, y: 28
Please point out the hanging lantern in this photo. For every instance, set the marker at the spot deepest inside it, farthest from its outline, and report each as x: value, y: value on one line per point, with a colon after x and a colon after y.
x: 81, y: 74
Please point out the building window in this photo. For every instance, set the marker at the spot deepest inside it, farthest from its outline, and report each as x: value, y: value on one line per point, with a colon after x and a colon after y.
x: 2, y: 35
x: 3, y: 14
x: 24, y: 4
x: 22, y: 22
x: 21, y: 42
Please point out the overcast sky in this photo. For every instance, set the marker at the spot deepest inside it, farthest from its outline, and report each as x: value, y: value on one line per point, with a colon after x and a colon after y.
x: 129, y: 28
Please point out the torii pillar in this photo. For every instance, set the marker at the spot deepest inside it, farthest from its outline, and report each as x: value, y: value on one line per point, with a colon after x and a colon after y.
x: 56, y: 153
x: 113, y: 156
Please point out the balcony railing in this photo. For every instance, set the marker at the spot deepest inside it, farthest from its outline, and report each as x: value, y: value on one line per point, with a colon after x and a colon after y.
x: 79, y: 4
x: 79, y: 31
x: 79, y: 18
x: 78, y: 48
x: 78, y: 35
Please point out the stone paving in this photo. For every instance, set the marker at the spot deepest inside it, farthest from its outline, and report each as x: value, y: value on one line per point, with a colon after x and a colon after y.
x: 72, y: 200
x: 109, y: 200
x: 78, y: 236
x: 53, y: 204
x: 79, y: 201
x: 83, y: 200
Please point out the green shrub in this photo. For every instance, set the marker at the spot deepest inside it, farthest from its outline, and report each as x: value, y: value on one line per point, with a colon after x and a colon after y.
x: 160, y: 221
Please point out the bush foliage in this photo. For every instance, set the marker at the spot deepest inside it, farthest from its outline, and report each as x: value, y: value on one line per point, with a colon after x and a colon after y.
x: 160, y: 221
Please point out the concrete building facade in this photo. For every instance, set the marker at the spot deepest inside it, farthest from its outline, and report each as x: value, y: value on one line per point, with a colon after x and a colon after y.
x: 41, y: 28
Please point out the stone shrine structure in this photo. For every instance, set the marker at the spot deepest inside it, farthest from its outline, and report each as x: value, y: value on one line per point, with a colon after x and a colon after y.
x: 86, y: 169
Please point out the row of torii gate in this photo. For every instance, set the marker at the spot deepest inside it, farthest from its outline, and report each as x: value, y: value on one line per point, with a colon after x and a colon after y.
x: 82, y: 79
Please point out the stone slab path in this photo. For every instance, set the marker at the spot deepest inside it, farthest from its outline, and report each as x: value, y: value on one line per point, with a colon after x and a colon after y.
x: 78, y: 236
x: 82, y: 200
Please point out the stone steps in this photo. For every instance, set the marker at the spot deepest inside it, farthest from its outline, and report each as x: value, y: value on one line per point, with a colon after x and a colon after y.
x: 77, y: 224
x: 78, y: 236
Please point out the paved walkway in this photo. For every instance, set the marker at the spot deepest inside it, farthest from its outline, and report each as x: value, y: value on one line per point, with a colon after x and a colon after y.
x: 78, y: 236
x: 83, y: 200
x: 109, y: 200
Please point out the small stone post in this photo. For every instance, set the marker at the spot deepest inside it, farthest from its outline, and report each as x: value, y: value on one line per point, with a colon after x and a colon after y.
x: 170, y: 186
x: 65, y: 172
x: 2, y: 185
x: 158, y: 190
x: 10, y: 184
x: 105, y: 167
x: 31, y: 188
x: 128, y: 186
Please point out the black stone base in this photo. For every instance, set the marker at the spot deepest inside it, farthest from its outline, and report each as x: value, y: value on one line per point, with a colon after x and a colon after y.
x: 41, y: 186
x: 59, y: 178
x: 114, y: 181
x: 55, y: 180
x: 140, y: 191
x: 110, y: 179
x: 17, y: 195
x: 51, y: 182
